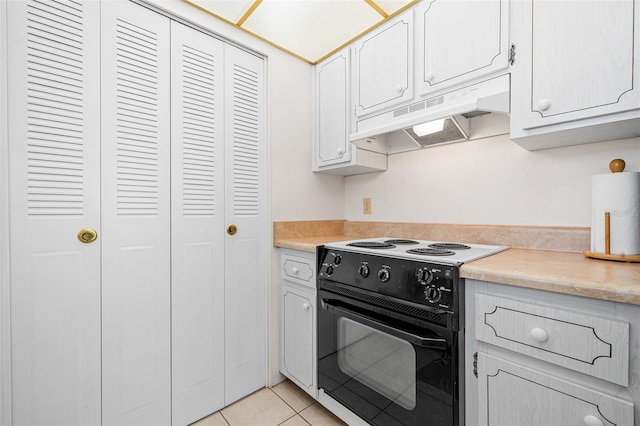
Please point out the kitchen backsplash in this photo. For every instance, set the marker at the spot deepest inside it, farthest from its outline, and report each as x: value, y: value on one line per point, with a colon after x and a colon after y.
x: 530, y: 237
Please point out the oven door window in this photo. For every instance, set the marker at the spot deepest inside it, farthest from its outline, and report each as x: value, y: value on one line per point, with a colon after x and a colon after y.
x: 378, y: 360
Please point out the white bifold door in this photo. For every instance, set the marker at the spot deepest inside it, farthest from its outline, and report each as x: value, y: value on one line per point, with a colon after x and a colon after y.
x: 136, y: 208
x: 135, y: 143
x: 89, y: 143
x: 218, y: 183
x: 198, y: 256
x: 54, y: 144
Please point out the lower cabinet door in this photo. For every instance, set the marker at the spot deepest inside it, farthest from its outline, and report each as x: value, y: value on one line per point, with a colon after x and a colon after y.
x: 298, y: 313
x: 510, y: 394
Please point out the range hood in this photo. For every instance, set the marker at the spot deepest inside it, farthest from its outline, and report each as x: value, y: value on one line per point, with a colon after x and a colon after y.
x: 454, y: 113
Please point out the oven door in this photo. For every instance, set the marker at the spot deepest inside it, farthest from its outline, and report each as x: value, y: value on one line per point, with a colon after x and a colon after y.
x: 387, y: 369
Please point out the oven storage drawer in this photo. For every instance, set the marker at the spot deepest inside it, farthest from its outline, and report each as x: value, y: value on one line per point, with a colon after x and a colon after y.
x: 592, y: 345
x: 299, y: 269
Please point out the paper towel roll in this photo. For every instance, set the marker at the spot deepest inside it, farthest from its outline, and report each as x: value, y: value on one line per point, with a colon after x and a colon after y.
x: 618, y: 194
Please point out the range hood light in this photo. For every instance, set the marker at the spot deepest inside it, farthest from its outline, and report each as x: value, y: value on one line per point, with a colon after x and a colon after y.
x: 429, y: 127
x: 451, y: 129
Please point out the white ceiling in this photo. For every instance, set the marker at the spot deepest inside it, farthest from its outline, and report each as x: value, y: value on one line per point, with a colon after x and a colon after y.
x: 308, y: 29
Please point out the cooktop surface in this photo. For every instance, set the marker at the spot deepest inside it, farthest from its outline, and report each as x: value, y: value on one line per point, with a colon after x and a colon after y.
x: 454, y: 253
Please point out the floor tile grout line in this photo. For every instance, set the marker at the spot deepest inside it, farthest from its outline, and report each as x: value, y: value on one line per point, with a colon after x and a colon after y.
x: 224, y: 418
x: 283, y: 400
x: 297, y: 414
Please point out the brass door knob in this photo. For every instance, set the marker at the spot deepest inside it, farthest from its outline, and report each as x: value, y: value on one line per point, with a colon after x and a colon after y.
x: 87, y: 235
x: 232, y: 229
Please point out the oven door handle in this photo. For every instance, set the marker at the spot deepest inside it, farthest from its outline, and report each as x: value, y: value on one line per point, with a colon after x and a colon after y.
x: 425, y: 342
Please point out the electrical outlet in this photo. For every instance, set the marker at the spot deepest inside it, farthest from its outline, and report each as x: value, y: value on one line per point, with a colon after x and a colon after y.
x: 366, y: 205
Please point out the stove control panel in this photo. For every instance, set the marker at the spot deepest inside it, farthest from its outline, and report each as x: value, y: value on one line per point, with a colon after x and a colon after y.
x: 425, y: 283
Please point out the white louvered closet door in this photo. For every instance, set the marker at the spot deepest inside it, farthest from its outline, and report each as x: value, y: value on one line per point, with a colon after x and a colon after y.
x: 197, y: 224
x: 245, y: 183
x: 136, y: 270
x: 54, y: 143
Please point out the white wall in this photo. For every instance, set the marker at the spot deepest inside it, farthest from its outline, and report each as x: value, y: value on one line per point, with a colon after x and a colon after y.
x: 295, y: 192
x: 488, y: 181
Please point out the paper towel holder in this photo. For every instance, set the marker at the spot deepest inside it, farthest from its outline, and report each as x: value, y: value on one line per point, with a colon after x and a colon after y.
x: 616, y: 166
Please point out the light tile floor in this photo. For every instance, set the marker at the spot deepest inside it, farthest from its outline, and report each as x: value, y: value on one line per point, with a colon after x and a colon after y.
x: 285, y: 404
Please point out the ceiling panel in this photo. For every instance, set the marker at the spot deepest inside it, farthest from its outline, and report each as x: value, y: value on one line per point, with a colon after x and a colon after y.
x: 309, y: 29
x: 231, y: 10
x: 392, y: 6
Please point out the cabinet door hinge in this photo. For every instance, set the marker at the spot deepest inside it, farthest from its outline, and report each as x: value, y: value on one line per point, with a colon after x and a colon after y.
x: 512, y: 54
x: 475, y: 364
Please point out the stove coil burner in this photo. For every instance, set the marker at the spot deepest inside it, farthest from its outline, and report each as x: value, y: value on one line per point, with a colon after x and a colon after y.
x: 402, y: 242
x: 371, y: 245
x: 449, y: 246
x: 431, y: 252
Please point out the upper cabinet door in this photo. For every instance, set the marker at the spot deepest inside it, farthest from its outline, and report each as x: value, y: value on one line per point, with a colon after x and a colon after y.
x: 54, y: 175
x: 332, y: 112
x: 583, y: 60
x: 383, y: 66
x: 459, y: 40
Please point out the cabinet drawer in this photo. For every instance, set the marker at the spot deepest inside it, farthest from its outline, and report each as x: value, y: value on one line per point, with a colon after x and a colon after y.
x: 595, y: 346
x: 299, y: 270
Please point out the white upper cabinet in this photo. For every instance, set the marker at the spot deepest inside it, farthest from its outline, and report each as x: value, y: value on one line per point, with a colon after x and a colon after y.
x: 332, y: 151
x: 457, y: 41
x: 383, y: 66
x: 576, y: 61
x: 332, y: 117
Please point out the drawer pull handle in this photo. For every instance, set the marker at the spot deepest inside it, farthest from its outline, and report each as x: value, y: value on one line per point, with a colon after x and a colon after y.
x: 295, y: 270
x: 306, y: 307
x: 592, y: 421
x: 539, y: 335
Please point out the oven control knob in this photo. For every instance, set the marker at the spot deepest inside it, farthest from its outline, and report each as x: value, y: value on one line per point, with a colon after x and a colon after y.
x: 363, y: 271
x: 433, y: 294
x: 424, y: 276
x: 337, y: 259
x: 329, y: 270
x: 384, y: 275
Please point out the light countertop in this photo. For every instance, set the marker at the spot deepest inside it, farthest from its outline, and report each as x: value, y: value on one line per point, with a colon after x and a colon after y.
x: 561, y: 272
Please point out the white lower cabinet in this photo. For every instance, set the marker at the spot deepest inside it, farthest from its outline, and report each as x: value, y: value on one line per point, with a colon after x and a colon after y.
x: 511, y: 394
x: 540, y: 358
x: 298, y: 320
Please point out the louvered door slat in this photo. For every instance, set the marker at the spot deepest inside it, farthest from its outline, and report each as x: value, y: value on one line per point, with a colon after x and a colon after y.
x: 245, y: 139
x: 58, y: 29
